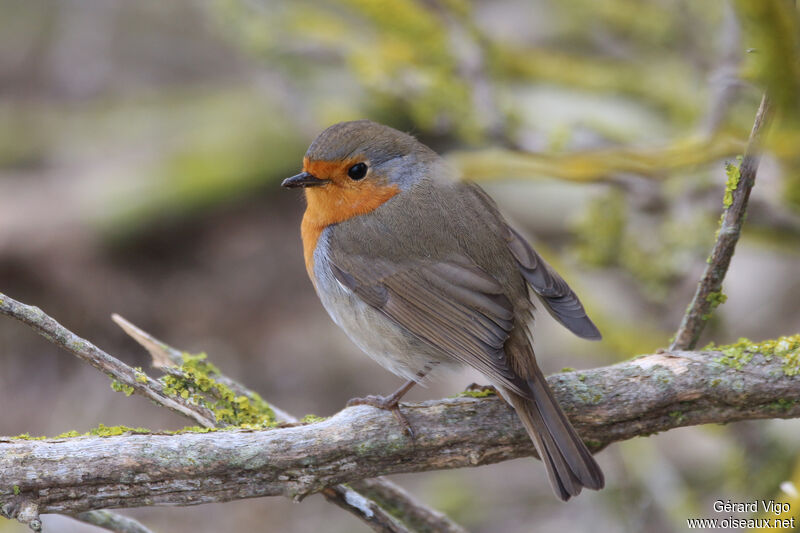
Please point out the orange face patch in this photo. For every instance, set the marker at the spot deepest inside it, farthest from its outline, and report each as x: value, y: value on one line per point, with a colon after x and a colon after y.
x: 337, y: 201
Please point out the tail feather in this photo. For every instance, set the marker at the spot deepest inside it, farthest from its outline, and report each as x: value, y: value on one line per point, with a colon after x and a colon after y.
x: 573, y: 449
x: 569, y: 464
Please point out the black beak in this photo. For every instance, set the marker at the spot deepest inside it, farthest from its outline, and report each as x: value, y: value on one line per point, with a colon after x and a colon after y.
x: 304, y: 179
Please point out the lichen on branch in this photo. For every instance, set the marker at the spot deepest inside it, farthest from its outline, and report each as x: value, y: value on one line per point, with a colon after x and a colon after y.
x: 196, y: 380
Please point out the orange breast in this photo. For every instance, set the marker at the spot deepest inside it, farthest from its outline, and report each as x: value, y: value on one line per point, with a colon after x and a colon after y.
x: 337, y: 201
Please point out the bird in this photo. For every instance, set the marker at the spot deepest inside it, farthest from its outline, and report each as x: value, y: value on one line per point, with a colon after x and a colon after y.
x: 423, y: 273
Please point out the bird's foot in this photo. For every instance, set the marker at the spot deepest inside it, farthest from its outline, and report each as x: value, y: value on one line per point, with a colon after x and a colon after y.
x: 387, y: 403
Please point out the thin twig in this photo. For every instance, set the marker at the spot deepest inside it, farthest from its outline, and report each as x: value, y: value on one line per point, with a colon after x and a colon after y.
x: 364, y: 508
x: 710, y: 284
x: 50, y: 329
x: 112, y: 522
x: 417, y: 515
x: 411, y: 511
x: 127, y: 376
x: 165, y: 356
x: 116, y: 369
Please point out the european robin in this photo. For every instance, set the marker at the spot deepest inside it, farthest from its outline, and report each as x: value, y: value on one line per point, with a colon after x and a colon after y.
x: 423, y: 273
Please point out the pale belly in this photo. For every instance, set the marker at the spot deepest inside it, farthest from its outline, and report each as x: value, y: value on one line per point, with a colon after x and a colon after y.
x: 382, y: 339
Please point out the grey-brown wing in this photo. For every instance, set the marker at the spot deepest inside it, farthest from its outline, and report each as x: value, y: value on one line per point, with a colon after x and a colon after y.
x: 562, y: 303
x: 451, y: 304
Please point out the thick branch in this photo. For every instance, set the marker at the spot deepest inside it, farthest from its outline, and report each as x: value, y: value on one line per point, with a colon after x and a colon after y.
x: 733, y: 218
x: 638, y: 397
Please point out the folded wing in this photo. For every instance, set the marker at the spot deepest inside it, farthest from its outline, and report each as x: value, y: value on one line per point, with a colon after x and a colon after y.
x: 451, y: 304
x: 562, y: 303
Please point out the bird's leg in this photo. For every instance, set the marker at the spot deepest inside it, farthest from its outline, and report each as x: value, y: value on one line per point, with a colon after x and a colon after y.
x: 391, y: 403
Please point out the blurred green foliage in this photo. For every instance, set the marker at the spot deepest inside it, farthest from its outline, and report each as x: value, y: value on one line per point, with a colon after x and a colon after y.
x: 679, y: 81
x: 434, y: 68
x: 238, y: 144
x: 654, y: 252
x: 772, y: 34
x: 395, y: 51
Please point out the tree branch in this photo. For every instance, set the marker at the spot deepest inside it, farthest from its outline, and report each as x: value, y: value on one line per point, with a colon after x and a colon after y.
x: 165, y: 356
x: 139, y: 382
x: 112, y: 522
x: 595, y: 165
x: 364, y: 508
x: 388, y: 495
x: 704, y: 300
x: 638, y: 397
x: 416, y: 514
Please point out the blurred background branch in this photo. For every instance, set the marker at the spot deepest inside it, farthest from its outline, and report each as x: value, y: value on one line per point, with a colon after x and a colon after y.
x: 112, y: 522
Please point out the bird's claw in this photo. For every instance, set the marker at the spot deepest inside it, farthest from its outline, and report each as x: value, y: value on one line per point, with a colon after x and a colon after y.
x: 387, y: 403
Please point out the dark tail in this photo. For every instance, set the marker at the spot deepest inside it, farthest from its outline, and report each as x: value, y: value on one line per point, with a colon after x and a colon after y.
x: 570, y: 466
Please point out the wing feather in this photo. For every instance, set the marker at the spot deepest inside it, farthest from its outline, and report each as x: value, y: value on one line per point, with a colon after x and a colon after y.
x: 562, y: 303
x: 452, y: 305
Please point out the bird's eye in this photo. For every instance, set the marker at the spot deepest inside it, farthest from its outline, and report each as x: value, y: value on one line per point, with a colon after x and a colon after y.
x: 357, y: 171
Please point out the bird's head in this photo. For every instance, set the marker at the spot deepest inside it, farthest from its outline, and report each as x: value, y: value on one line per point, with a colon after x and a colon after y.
x: 358, y: 158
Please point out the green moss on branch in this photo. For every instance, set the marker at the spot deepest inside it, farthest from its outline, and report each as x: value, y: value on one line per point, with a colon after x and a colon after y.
x: 195, y: 380
x: 741, y: 352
